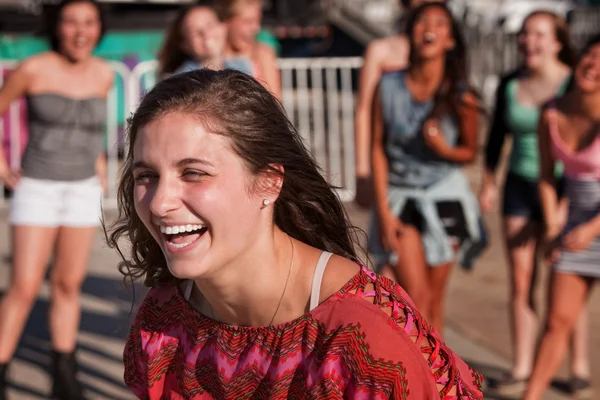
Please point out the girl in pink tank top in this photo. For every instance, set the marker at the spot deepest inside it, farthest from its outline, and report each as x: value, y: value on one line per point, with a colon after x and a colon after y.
x: 569, y: 132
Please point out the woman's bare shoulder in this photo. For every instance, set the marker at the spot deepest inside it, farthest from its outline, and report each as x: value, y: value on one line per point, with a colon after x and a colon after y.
x: 388, y: 46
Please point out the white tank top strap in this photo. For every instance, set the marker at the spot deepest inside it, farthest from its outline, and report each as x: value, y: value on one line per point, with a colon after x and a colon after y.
x: 317, y: 279
x: 189, y: 285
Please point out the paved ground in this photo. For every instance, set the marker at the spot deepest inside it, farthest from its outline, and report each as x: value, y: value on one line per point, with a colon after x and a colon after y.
x: 476, y: 312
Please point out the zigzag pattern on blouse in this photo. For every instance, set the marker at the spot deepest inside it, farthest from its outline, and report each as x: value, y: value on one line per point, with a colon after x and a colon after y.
x: 300, y: 362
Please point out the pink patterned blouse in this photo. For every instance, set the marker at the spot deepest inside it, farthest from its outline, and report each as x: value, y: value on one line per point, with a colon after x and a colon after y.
x: 367, y: 341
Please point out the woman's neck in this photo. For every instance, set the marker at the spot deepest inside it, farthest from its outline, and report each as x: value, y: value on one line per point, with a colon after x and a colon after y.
x: 248, y: 290
x: 231, y: 51
x: 586, y: 105
x: 427, y: 73
x: 74, y: 65
x: 550, y: 71
x: 214, y: 63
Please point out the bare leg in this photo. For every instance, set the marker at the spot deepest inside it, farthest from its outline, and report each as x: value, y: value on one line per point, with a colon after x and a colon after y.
x: 438, y: 280
x: 521, y: 238
x: 68, y: 272
x: 568, y: 296
x: 411, y: 271
x: 580, y: 347
x: 31, y: 249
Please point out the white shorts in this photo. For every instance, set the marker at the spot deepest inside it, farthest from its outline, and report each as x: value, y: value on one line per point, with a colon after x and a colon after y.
x: 40, y: 202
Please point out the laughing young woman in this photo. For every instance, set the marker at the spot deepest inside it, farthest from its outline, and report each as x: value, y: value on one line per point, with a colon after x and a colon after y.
x: 424, y: 129
x: 256, y: 290
x: 544, y: 44
x: 569, y: 131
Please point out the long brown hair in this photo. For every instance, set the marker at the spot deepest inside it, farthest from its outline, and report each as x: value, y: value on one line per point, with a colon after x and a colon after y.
x: 53, y: 16
x: 235, y: 105
x: 566, y: 54
x: 455, y: 83
x: 171, y: 55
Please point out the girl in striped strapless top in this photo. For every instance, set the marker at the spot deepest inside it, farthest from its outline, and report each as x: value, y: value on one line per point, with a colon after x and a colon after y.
x: 568, y: 133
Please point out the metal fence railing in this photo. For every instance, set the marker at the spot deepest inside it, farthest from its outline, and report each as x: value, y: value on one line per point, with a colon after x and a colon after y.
x: 318, y: 95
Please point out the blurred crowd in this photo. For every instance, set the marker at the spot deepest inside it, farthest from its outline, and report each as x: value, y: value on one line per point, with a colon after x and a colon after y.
x: 417, y: 124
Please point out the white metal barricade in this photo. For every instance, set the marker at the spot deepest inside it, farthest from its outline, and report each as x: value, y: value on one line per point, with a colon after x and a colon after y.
x: 318, y: 95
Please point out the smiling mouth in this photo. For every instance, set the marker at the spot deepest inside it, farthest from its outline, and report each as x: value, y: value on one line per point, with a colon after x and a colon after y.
x: 590, y: 75
x: 429, y: 37
x: 179, y: 237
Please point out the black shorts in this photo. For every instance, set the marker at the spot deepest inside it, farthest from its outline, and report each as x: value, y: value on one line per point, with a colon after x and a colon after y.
x: 450, y: 214
x: 522, y: 197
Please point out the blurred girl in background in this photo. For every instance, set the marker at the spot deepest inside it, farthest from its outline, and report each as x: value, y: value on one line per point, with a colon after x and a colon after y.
x: 197, y: 39
x: 425, y: 122
x: 56, y: 205
x: 569, y: 132
x: 243, y: 19
x: 547, y: 60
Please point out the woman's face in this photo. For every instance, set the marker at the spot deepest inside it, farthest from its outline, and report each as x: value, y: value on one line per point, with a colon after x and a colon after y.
x: 587, y: 72
x: 203, y: 34
x: 79, y: 30
x: 245, y: 25
x: 432, y: 34
x: 538, y: 42
x: 194, y: 195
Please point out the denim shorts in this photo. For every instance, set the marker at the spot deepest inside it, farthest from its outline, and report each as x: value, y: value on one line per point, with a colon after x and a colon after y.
x: 522, y: 197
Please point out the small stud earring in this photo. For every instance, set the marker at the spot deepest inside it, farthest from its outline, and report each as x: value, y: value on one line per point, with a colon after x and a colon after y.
x: 266, y: 202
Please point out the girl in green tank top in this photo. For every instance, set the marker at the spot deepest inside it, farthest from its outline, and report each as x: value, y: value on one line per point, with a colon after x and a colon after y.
x: 545, y: 73
x: 521, y: 121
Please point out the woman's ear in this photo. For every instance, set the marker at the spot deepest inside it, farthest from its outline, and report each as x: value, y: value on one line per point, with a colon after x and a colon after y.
x: 270, y: 182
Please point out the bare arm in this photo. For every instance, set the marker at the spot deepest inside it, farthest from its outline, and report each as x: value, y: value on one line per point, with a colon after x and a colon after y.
x: 14, y: 87
x: 468, y: 123
x: 266, y: 60
x: 547, y: 183
x: 370, y: 74
x: 101, y: 160
x: 379, y: 159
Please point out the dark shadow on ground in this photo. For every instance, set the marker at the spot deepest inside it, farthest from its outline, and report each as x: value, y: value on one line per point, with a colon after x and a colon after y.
x: 34, y: 346
x: 492, y: 374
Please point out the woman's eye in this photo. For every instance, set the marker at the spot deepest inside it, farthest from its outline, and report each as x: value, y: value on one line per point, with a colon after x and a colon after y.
x: 193, y: 174
x: 145, y: 177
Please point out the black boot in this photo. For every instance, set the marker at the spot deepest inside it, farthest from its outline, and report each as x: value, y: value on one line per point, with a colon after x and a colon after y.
x: 64, y: 371
x: 3, y: 383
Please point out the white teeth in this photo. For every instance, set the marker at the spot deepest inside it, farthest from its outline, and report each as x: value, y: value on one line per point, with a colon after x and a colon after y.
x: 429, y: 36
x: 180, y: 245
x: 173, y: 230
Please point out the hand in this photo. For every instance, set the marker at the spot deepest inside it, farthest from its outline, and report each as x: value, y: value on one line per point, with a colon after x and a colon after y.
x: 391, y: 229
x: 434, y: 139
x: 551, y: 249
x: 580, y: 238
x: 562, y: 214
x: 9, y: 177
x: 488, y: 196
